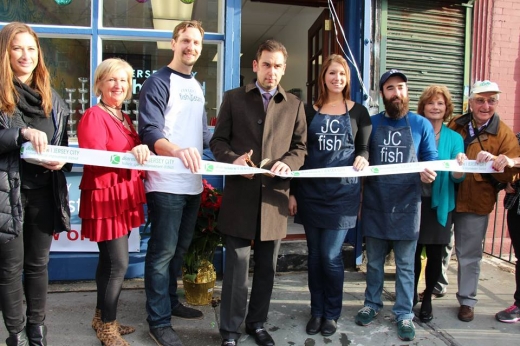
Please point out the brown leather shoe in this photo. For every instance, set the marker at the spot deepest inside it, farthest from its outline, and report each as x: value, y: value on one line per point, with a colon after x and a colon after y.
x: 466, y: 313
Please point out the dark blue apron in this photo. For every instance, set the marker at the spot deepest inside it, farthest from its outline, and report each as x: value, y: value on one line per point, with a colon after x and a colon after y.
x: 330, y: 203
x: 392, y: 203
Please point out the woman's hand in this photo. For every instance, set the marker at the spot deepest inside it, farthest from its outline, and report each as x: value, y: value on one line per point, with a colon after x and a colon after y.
x: 141, y: 153
x: 293, y: 205
x: 360, y: 163
x: 461, y: 157
x: 37, y: 138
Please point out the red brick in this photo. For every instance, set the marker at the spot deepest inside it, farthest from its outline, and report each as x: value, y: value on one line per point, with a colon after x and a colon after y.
x: 503, y: 4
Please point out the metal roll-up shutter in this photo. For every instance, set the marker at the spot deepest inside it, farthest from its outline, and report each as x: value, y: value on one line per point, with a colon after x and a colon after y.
x: 425, y: 39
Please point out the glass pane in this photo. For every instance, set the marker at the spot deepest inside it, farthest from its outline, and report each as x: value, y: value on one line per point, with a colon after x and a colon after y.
x: 161, y: 14
x: 146, y: 58
x: 67, y: 61
x: 51, y: 12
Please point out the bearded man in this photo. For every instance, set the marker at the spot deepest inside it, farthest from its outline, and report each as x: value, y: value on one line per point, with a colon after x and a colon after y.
x: 392, y: 203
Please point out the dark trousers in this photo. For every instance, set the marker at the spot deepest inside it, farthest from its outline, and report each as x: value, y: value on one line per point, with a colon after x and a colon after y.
x: 235, y: 284
x: 433, y: 268
x: 513, y: 223
x: 27, y: 254
x: 110, y: 273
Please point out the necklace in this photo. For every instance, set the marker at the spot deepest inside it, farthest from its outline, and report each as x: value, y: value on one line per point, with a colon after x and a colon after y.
x: 335, y: 104
x: 437, y: 133
x: 112, y: 113
x: 108, y: 106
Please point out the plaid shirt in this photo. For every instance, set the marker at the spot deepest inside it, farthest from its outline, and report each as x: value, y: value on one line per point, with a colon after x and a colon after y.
x: 510, y: 198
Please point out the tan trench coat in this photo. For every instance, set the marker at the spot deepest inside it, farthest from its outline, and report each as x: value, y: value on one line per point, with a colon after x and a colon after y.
x: 280, y: 135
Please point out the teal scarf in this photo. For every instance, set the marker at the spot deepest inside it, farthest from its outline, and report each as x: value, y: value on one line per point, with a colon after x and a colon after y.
x: 443, y: 188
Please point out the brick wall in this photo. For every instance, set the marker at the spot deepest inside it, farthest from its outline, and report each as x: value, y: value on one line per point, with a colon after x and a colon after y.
x: 505, y: 58
x: 504, y: 68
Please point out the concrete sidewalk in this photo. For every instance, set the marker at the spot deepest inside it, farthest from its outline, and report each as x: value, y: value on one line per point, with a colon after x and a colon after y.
x: 71, y: 307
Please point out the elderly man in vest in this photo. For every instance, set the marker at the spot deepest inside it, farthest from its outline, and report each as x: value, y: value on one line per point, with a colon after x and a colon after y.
x: 484, y: 135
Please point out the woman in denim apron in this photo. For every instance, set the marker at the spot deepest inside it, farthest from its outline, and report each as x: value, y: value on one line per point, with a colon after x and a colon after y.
x: 338, y: 133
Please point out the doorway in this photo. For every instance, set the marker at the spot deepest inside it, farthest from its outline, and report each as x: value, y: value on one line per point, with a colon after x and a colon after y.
x: 288, y: 24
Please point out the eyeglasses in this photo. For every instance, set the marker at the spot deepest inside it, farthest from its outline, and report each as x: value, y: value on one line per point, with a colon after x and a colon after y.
x: 481, y: 101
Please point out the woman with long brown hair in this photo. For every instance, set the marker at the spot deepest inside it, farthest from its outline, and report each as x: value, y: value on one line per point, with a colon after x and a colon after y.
x: 338, y: 133
x: 35, y: 195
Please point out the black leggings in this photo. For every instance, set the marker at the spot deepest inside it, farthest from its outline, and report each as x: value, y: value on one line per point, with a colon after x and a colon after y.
x: 27, y: 254
x: 110, y: 273
x: 433, y: 268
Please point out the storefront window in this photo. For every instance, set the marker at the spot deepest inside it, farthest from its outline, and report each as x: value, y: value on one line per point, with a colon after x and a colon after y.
x: 161, y: 14
x: 51, y: 12
x: 73, y: 29
x: 68, y: 60
x: 146, y: 58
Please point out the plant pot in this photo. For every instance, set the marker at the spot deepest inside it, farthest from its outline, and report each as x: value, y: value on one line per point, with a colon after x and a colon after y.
x: 198, y: 293
x: 199, y: 288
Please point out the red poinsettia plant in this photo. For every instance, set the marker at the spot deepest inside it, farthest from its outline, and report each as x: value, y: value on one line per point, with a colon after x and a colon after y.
x: 206, y: 238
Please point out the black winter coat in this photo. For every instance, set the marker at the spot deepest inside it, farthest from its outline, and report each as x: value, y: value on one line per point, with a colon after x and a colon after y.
x: 11, y: 213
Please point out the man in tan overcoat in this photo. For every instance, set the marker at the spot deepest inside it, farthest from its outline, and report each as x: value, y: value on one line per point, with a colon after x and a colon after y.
x: 256, y: 122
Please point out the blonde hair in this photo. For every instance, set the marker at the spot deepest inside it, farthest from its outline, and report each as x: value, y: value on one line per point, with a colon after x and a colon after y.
x: 429, y: 93
x: 108, y: 67
x: 39, y: 81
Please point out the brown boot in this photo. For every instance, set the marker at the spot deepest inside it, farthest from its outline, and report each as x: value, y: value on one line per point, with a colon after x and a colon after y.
x: 108, y: 334
x: 96, y: 323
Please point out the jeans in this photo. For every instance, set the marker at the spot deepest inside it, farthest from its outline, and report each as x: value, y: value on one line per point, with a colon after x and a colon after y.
x: 110, y: 274
x: 326, y: 271
x: 28, y: 254
x: 404, y: 251
x: 173, y: 220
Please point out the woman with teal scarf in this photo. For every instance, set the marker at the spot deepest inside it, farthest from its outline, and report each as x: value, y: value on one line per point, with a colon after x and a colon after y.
x: 438, y: 198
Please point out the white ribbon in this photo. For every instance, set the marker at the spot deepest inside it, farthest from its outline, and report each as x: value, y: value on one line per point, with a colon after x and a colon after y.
x: 174, y: 165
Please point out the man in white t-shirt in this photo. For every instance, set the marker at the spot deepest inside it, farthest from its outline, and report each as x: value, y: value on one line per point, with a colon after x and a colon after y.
x: 172, y: 122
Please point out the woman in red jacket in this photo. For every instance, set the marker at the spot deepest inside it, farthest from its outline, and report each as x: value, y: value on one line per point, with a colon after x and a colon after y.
x: 111, y: 198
